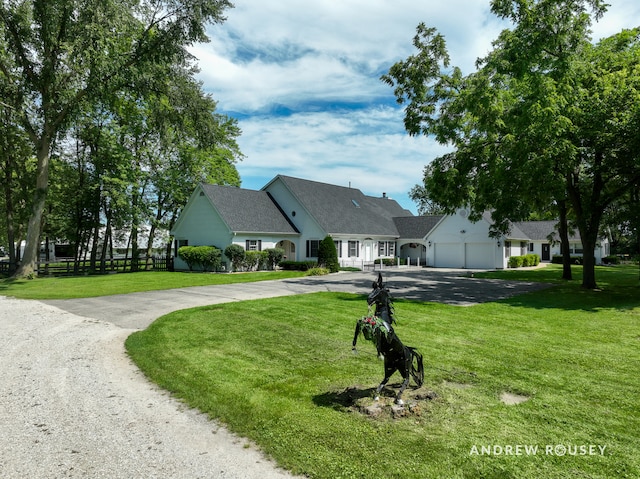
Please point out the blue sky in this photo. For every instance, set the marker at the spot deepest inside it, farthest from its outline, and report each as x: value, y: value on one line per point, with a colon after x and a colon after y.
x: 303, y: 80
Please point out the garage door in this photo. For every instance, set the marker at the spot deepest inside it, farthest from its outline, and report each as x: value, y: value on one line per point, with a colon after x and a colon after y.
x: 447, y: 255
x: 480, y: 255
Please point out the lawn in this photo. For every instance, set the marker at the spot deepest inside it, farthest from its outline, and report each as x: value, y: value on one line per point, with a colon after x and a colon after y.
x: 278, y: 372
x: 68, y: 287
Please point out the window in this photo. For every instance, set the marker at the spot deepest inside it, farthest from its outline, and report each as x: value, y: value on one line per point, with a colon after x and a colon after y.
x: 386, y: 248
x: 338, y: 244
x: 253, y: 245
x: 354, y: 249
x: 507, y: 249
x: 531, y: 247
x: 312, y: 248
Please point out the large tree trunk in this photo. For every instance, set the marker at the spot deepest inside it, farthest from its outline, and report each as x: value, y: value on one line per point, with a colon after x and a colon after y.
x: 27, y: 267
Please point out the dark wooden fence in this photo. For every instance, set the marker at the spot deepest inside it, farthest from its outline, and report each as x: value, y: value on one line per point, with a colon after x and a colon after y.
x: 64, y: 267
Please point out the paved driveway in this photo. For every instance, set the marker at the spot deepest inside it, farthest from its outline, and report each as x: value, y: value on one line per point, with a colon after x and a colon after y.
x: 456, y: 287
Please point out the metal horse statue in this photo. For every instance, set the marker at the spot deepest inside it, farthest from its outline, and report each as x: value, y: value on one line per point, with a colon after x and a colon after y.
x: 379, y: 329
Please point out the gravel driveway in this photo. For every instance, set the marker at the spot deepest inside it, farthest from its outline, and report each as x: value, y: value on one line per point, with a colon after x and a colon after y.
x: 72, y: 404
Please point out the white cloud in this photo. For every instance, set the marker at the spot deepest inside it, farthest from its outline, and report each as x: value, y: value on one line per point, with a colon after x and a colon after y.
x: 320, y: 61
x: 354, y: 148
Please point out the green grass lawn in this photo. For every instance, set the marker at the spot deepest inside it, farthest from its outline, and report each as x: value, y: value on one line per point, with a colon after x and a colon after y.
x: 67, y: 287
x: 275, y: 371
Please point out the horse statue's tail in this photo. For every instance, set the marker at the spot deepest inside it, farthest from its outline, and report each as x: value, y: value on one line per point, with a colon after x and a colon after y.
x: 417, y: 368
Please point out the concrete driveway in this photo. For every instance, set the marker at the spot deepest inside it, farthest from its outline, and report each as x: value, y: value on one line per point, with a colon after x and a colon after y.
x: 456, y: 287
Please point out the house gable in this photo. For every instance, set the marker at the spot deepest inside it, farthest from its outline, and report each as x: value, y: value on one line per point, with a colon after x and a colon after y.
x: 338, y: 210
x: 248, y: 211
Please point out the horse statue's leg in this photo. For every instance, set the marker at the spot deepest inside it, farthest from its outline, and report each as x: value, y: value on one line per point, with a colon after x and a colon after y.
x: 355, y: 336
x: 388, y: 372
x: 405, y: 383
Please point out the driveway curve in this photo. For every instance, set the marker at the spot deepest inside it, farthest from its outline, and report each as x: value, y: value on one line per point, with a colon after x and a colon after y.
x: 72, y: 404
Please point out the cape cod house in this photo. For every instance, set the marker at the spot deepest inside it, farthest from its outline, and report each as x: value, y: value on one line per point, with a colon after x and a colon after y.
x: 296, y: 214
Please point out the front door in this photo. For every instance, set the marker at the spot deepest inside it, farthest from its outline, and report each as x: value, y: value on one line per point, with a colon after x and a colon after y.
x: 546, y: 252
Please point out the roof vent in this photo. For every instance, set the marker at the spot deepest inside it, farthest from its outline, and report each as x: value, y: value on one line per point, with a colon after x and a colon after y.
x: 355, y: 203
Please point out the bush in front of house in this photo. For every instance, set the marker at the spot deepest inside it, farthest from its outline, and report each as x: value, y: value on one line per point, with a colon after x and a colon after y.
x: 255, y: 260
x: 611, y: 260
x: 209, y: 258
x: 297, y: 265
x: 328, y: 255
x: 524, y: 261
x: 557, y: 259
x: 236, y: 254
x: 274, y: 256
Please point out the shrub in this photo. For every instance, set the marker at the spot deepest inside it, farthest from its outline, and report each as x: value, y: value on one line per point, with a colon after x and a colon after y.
x: 255, y: 260
x: 611, y: 260
x: 557, y: 259
x: 209, y: 258
x: 328, y: 255
x: 186, y: 254
x: 318, y: 271
x: 236, y: 254
x: 515, y: 262
x: 524, y: 261
x: 274, y: 256
x: 298, y: 265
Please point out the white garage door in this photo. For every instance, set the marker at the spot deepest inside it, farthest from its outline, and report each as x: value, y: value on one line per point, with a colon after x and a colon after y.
x: 480, y: 255
x: 448, y: 255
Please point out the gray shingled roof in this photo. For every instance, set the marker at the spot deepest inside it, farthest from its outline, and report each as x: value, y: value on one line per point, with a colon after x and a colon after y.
x: 415, y: 227
x: 540, y: 230
x: 343, y: 210
x: 248, y: 211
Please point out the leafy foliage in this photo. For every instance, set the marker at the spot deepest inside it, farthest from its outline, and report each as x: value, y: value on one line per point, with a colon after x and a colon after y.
x: 236, y: 254
x: 547, y: 122
x: 209, y: 258
x: 61, y: 60
x: 328, y: 255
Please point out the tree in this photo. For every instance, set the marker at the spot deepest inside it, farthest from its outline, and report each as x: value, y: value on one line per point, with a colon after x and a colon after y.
x: 545, y: 123
x: 58, y: 53
x: 328, y: 255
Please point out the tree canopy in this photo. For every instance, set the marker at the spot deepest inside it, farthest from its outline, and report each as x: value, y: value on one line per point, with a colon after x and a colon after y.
x: 109, y: 62
x: 549, y: 121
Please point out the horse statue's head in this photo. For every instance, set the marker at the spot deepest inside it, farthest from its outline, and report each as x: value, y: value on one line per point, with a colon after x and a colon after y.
x: 381, y: 297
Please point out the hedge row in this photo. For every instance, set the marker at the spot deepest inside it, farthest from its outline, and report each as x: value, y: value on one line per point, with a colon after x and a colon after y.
x: 208, y: 258
x: 298, y: 265
x: 557, y: 259
x: 523, y: 261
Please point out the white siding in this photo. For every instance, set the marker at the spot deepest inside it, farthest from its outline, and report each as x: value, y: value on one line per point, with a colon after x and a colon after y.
x: 448, y: 255
x: 480, y: 255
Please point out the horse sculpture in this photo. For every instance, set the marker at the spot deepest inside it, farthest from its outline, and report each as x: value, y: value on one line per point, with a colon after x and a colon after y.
x: 378, y: 328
